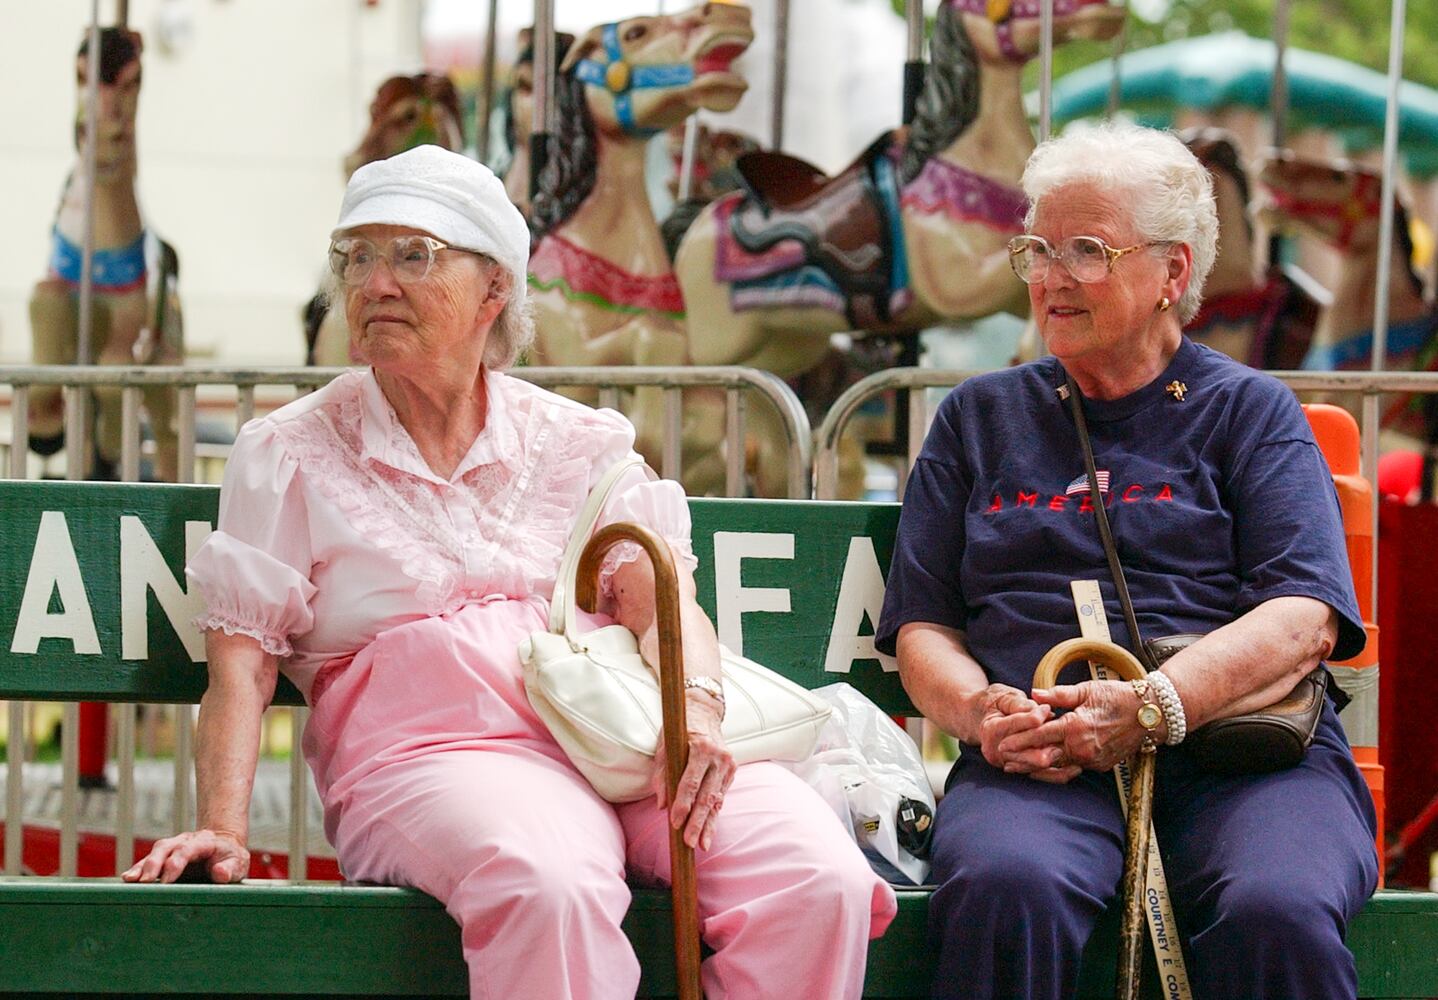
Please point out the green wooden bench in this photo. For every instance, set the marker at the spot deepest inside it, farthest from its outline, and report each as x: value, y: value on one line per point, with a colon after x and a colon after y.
x: 796, y: 584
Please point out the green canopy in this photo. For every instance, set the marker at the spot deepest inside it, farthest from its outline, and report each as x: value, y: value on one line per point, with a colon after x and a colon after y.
x: 1216, y: 71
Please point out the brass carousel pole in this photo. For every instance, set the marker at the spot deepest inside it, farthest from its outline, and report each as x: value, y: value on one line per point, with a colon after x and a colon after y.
x: 781, y: 73
x: 914, y: 65
x: 484, y: 93
x: 541, y: 132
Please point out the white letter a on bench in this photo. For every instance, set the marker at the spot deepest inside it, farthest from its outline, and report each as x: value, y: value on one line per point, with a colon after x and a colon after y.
x: 54, y: 566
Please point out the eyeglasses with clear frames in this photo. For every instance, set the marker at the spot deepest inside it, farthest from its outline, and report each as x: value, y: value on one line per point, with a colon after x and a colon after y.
x: 1087, y: 258
x: 410, y: 258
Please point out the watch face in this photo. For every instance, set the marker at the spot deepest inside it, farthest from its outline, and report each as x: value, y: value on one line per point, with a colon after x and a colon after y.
x: 1149, y: 716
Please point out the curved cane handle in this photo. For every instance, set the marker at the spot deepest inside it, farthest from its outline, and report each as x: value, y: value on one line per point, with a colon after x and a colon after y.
x: 1105, y: 654
x: 683, y: 886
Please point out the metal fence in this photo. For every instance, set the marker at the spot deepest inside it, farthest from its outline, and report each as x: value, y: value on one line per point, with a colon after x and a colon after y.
x: 235, y: 391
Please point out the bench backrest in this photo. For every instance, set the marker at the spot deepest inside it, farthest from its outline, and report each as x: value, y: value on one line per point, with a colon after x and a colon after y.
x: 94, y: 604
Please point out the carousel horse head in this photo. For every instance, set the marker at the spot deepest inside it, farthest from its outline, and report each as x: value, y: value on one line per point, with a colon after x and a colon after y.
x: 1009, y: 29
x: 1336, y: 201
x: 119, y: 100
x: 1217, y: 149
x: 645, y: 74
x: 716, y: 151
x: 409, y: 111
x: 628, y: 80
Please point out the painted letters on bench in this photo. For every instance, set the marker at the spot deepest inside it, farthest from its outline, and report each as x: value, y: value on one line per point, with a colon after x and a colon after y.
x: 53, y: 567
x: 142, y: 568
x: 55, y: 575
x: 731, y: 597
x: 861, y: 592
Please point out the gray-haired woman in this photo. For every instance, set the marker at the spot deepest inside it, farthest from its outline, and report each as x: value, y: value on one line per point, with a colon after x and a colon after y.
x: 1226, y: 521
x: 387, y: 542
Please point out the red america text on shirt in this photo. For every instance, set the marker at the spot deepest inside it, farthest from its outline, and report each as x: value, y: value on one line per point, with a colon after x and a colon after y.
x: 1083, y: 503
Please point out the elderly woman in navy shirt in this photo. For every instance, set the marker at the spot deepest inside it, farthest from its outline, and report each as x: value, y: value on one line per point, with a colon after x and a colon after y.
x: 1227, y: 523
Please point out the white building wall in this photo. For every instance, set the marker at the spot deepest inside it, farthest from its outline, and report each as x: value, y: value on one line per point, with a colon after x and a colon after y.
x: 242, y: 128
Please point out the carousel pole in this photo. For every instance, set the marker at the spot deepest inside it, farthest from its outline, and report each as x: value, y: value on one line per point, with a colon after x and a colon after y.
x: 1046, y: 68
x: 781, y: 73
x: 1278, y: 103
x: 484, y: 96
x: 1369, y: 454
x: 690, y: 147
x: 914, y: 65
x: 1115, y: 80
x: 541, y: 134
x: 87, y: 259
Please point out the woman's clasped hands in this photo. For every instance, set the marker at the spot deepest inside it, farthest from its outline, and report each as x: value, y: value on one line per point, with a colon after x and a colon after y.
x: 1023, y: 734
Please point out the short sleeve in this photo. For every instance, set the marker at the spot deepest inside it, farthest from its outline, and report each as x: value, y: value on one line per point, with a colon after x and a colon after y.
x: 253, y: 571
x: 1289, y: 534
x: 657, y: 504
x: 923, y: 583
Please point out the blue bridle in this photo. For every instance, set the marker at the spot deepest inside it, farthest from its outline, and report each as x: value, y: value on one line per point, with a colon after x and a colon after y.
x: 621, y: 79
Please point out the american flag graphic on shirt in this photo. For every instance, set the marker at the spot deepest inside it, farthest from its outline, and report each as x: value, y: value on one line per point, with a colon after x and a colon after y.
x: 1080, y: 485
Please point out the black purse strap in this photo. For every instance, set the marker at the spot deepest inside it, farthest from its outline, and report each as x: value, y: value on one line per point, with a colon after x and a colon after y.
x: 1115, y: 567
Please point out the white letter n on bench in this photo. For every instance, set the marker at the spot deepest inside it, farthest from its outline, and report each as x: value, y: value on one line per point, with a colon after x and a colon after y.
x: 53, y: 566
x: 143, y: 568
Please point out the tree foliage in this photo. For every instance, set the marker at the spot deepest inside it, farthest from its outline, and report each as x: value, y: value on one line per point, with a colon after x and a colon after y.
x: 1356, y: 30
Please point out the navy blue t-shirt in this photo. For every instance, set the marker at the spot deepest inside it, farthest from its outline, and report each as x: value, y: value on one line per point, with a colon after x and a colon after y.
x: 1218, y: 502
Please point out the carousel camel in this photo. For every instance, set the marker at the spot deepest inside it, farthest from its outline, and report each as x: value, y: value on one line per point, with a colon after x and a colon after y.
x: 136, y: 316
x: 1253, y: 312
x: 912, y: 234
x: 600, y: 279
x: 407, y: 111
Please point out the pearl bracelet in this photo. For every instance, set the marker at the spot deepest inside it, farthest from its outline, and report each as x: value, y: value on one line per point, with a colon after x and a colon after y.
x: 1172, y: 707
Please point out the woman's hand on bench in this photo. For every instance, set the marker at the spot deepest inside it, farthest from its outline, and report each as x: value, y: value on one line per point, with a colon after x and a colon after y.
x: 222, y: 853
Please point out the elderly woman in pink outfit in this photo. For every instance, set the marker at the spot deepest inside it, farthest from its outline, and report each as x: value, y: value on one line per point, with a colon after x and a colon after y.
x: 386, y: 542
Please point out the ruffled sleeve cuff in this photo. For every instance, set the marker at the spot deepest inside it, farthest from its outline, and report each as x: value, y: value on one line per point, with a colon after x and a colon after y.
x: 250, y: 592
x: 658, y: 505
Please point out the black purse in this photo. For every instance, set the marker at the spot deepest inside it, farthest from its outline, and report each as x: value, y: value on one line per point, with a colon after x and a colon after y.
x: 1271, y: 739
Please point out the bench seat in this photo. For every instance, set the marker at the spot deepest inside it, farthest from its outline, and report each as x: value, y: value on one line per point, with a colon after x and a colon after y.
x: 96, y: 937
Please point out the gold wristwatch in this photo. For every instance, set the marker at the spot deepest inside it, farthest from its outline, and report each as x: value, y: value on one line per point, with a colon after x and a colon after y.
x: 1149, y: 715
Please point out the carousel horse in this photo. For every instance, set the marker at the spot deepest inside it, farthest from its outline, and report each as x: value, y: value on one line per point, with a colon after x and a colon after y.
x: 912, y: 234
x: 601, y: 282
x: 1259, y: 315
x: 1338, y: 203
x: 135, y: 315
x: 407, y: 111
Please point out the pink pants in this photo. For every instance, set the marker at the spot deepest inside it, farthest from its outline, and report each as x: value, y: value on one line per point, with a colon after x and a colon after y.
x: 435, y: 773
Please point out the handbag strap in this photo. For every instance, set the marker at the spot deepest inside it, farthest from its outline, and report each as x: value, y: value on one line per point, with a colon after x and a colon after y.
x: 1115, y: 567
x: 559, y: 618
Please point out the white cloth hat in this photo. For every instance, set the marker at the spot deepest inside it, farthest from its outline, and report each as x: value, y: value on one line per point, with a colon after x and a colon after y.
x: 448, y: 195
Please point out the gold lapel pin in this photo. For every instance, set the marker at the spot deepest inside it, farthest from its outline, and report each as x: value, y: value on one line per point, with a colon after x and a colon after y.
x: 1176, y: 389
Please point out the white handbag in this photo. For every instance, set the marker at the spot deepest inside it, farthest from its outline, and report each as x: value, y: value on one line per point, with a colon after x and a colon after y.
x: 601, y: 701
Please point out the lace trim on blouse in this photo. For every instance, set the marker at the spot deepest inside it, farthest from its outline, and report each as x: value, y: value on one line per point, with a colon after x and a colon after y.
x: 270, y: 641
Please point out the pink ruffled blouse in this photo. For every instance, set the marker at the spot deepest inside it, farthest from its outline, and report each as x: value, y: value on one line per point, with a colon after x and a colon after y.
x: 333, y: 529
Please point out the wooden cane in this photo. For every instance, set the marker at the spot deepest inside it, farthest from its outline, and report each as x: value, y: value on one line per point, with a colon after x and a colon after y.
x: 1140, y: 802
x: 683, y: 887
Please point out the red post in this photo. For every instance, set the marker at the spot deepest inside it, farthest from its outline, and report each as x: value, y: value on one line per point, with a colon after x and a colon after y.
x: 94, y: 719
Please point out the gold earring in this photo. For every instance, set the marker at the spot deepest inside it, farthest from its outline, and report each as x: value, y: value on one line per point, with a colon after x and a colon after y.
x: 1163, y: 304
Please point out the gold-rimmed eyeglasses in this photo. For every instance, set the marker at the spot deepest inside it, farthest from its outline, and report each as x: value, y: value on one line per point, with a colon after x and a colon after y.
x: 1087, y: 258
x: 410, y: 258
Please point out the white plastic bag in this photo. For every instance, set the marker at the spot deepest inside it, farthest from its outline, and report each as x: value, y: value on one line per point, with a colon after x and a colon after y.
x: 872, y: 775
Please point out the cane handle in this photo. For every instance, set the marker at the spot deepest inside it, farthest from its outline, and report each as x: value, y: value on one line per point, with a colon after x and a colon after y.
x: 1106, y: 654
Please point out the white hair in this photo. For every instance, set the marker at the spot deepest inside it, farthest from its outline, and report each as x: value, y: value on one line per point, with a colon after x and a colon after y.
x: 513, y: 329
x: 1169, y: 193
